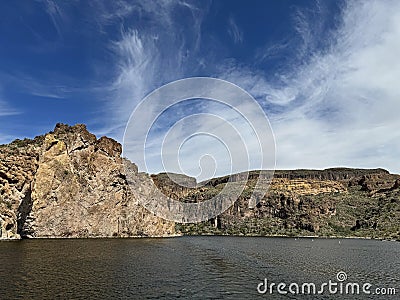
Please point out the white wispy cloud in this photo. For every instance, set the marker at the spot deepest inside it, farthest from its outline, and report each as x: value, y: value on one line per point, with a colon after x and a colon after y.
x: 55, y: 14
x: 335, y: 103
x: 202, y: 139
x: 339, y: 105
x: 234, y: 31
x: 5, y: 108
x: 55, y: 87
x: 5, y: 111
x: 151, y: 54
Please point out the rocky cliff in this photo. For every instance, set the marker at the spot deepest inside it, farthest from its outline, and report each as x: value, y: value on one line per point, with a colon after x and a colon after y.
x: 68, y: 183
x: 332, y: 202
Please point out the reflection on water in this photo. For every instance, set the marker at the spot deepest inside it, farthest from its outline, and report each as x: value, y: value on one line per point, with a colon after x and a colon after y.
x: 187, y: 267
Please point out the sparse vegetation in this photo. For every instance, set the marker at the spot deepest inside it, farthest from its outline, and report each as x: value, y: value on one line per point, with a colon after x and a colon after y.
x: 351, y: 212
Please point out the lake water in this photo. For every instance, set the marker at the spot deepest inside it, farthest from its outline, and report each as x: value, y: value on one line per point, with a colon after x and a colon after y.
x: 209, y: 267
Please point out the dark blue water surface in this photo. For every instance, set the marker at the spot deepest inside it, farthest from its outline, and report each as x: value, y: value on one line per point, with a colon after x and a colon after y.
x: 209, y: 267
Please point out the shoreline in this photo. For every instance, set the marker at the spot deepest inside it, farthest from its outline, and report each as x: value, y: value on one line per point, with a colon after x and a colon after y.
x: 301, y: 237
x: 196, y: 235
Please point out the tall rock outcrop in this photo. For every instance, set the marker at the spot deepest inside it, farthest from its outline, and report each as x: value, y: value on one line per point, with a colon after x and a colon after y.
x: 68, y: 183
x: 332, y: 202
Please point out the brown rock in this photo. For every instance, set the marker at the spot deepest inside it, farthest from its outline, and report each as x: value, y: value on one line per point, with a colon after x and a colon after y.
x: 70, y: 184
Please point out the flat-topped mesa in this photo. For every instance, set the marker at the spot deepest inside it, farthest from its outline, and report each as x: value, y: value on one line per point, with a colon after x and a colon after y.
x: 327, y: 174
x: 337, y: 174
x: 68, y: 183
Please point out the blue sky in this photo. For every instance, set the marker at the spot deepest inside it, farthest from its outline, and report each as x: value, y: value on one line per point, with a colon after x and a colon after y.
x: 325, y: 72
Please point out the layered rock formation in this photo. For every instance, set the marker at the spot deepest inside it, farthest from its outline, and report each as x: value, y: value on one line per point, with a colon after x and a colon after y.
x: 68, y: 183
x: 332, y: 202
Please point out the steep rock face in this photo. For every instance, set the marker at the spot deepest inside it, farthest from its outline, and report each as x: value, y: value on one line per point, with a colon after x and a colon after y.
x: 68, y: 183
x: 73, y: 185
x: 378, y: 183
x: 18, y: 164
x: 335, y: 174
x: 288, y: 202
x: 332, y: 202
x: 173, y: 185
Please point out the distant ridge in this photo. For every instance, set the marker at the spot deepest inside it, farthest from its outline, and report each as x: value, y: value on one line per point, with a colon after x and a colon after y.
x: 326, y: 174
x: 70, y: 184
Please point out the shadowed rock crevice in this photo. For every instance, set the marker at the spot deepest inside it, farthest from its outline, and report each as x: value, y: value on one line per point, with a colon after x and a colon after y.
x: 24, y: 209
x: 68, y: 183
x: 351, y: 202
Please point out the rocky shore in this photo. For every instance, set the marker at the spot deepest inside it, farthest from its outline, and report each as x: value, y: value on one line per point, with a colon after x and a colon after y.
x: 70, y: 184
x: 338, y: 202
